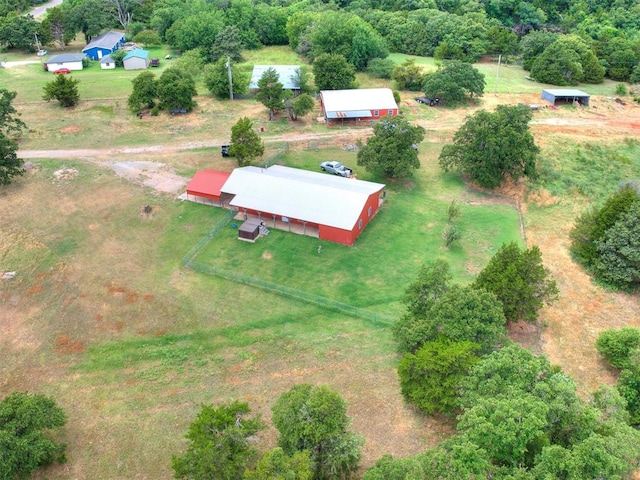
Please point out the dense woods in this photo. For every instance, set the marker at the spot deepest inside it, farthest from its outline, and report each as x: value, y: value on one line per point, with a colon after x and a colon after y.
x: 561, y: 42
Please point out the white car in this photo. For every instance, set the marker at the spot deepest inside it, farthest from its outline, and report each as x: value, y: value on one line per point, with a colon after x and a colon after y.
x: 41, y: 53
x: 336, y: 168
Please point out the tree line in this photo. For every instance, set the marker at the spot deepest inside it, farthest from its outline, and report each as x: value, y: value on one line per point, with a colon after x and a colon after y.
x: 560, y: 42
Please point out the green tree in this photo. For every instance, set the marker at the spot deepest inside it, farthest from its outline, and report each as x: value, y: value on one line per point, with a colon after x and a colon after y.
x: 25, y: 443
x: 429, y: 378
x: 219, y: 445
x: 629, y: 388
x: 315, y: 419
x: 490, y: 146
x: 381, y: 68
x: 17, y: 31
x: 10, y: 127
x: 510, y: 428
x: 388, y: 468
x: 619, y: 252
x: 216, y: 79
x: 246, y: 145
x: 434, y: 280
x: 568, y: 61
x: 459, y: 314
x: 176, y: 90
x: 277, y: 465
x: 193, y: 63
x: 512, y: 368
x: 270, y: 92
x: 502, y: 41
x: 533, y: 44
x: 64, y: 89
x: 465, y: 314
x: 408, y: 75
x: 592, y: 225
x: 196, y: 30
x: 333, y: 72
x: 228, y: 43
x: 390, y: 151
x: 616, y: 346
x: 346, y: 34
x: 519, y: 280
x: 144, y: 92
x: 456, y: 458
x: 454, y: 82
x: 299, y: 105
x: 148, y: 38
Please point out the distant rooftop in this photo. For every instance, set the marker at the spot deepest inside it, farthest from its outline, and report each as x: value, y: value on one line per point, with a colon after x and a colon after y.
x: 286, y: 74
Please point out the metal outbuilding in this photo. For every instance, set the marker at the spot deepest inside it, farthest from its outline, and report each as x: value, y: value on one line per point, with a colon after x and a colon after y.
x: 358, y: 104
x: 205, y: 187
x: 287, y: 76
x: 316, y: 204
x: 563, y: 96
x: 72, y: 61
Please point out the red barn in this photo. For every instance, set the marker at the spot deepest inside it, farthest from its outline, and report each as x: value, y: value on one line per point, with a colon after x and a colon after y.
x: 205, y: 186
x: 330, y: 207
x: 357, y: 105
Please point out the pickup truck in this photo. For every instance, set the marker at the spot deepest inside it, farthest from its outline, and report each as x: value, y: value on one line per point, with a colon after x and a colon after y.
x: 428, y: 101
x: 336, y: 168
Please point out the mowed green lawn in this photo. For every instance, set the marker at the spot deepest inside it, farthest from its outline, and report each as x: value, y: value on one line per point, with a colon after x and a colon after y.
x: 406, y: 233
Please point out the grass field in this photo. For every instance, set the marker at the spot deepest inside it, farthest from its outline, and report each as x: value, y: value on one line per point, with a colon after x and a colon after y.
x: 102, y: 316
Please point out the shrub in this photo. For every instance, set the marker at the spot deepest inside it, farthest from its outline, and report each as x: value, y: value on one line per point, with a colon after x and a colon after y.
x: 616, y: 345
x: 621, y: 89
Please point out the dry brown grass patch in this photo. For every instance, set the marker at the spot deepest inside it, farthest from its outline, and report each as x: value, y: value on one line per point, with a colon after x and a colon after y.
x: 64, y: 345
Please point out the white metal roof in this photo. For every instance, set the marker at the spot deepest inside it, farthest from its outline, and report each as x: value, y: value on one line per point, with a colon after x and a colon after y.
x: 286, y: 73
x: 300, y: 194
x: 566, y: 92
x: 358, y: 99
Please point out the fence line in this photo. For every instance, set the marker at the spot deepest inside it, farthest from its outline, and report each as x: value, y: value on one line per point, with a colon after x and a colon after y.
x: 198, y: 247
x: 189, y: 262
x: 291, y: 293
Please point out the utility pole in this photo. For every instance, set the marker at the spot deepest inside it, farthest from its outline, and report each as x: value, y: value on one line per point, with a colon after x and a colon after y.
x: 498, y: 71
x: 228, y: 65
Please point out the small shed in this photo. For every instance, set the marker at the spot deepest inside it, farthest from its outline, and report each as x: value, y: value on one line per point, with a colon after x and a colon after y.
x: 358, y: 104
x: 72, y: 61
x: 250, y: 229
x: 137, y: 59
x: 564, y: 96
x: 107, y: 63
x: 104, y: 44
x: 287, y: 76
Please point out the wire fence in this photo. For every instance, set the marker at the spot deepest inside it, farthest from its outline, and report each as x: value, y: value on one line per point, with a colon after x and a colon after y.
x: 283, y: 290
x: 198, y: 247
x: 188, y: 261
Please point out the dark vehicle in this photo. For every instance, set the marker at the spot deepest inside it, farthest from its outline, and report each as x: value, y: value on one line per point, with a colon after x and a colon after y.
x: 62, y: 71
x: 428, y: 101
x: 178, y: 110
x: 224, y: 149
x: 155, y: 62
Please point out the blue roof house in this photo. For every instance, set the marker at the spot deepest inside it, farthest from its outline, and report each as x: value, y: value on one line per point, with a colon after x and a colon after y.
x: 104, y: 45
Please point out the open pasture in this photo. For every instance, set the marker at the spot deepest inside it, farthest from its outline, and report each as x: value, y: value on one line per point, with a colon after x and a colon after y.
x: 102, y: 316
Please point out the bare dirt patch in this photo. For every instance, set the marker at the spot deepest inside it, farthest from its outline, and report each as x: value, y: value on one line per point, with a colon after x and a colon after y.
x: 71, y: 129
x: 151, y: 174
x: 65, y: 174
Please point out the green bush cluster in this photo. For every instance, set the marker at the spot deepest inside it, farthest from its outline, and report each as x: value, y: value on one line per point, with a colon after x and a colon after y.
x: 606, y: 239
x: 621, y: 348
